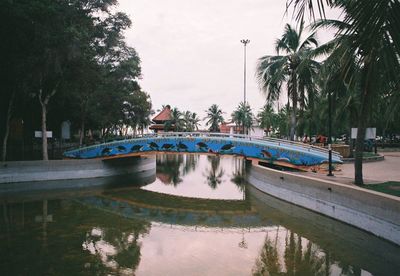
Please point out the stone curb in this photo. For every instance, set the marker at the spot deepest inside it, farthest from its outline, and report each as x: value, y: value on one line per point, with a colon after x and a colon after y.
x: 365, y: 159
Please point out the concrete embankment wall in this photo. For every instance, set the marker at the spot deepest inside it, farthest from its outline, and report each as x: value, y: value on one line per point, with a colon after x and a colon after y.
x: 32, y: 175
x: 371, y: 211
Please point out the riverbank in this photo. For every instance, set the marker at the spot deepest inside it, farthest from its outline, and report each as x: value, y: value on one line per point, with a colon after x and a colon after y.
x: 371, y: 211
x: 24, y: 176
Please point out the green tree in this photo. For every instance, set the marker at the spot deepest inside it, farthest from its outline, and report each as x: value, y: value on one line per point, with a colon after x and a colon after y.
x: 369, y: 36
x: 66, y: 52
x: 191, y: 121
x: 243, y: 117
x: 268, y: 118
x: 177, y: 119
x: 214, y: 118
x: 137, y: 109
x: 296, y: 69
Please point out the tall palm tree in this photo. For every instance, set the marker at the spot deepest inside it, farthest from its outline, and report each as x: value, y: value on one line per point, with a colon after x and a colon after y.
x: 214, y: 116
x: 296, y: 69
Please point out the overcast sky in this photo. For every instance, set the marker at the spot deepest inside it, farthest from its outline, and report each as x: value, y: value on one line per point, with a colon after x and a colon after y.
x: 191, y: 52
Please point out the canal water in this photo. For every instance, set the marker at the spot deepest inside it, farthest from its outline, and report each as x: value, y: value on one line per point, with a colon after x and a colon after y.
x: 199, y: 217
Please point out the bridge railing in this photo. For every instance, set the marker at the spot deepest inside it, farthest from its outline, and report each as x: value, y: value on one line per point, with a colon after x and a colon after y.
x: 276, y: 141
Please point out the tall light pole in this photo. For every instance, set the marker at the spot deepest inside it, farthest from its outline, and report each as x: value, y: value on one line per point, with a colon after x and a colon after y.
x: 245, y: 42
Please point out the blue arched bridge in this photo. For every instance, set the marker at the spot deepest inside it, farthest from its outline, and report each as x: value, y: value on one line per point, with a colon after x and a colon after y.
x: 273, y: 151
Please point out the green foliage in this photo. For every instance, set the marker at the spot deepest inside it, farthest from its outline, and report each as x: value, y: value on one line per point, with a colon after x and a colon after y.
x: 243, y: 117
x: 71, y: 57
x: 182, y: 121
x: 214, y: 118
x: 296, y: 69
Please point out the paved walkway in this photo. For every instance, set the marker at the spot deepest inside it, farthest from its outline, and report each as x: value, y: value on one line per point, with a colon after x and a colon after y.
x: 373, y: 172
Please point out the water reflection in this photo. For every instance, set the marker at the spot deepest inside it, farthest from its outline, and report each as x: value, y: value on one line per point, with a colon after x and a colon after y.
x: 186, y: 174
x: 168, y: 168
x: 131, y: 230
x: 287, y: 253
x: 79, y: 240
x: 215, y: 173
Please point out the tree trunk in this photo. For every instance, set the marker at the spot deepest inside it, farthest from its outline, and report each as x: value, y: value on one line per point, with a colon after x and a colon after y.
x: 362, y: 122
x: 45, y: 155
x: 44, y: 102
x: 7, y: 129
x: 82, y: 132
x: 294, y: 110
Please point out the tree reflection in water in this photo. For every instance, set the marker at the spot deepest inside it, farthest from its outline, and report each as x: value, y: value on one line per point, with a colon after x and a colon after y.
x: 215, y: 173
x: 297, y: 260
x: 298, y: 256
x: 170, y: 167
x: 239, y: 173
x: 91, y: 242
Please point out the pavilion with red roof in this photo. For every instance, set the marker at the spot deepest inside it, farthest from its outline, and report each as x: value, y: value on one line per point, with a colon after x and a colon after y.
x: 160, y: 119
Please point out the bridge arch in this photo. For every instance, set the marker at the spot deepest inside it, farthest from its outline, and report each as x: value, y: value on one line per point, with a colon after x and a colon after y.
x: 273, y: 151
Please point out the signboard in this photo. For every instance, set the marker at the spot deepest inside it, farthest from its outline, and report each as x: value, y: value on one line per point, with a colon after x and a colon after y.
x: 38, y: 134
x: 66, y: 130
x: 370, y: 133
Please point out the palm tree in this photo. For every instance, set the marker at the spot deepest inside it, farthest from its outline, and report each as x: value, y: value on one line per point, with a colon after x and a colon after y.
x: 195, y: 121
x: 268, y: 118
x: 369, y: 36
x: 191, y: 121
x: 296, y: 69
x: 214, y: 116
x: 243, y: 117
x: 176, y: 119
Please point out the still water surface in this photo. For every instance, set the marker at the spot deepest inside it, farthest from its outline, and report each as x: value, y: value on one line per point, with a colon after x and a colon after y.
x: 199, y: 217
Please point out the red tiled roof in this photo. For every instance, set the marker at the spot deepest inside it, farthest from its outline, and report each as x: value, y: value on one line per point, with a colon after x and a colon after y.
x: 161, y: 127
x: 164, y: 115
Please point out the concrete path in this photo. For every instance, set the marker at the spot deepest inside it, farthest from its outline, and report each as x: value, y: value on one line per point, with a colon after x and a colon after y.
x: 373, y: 172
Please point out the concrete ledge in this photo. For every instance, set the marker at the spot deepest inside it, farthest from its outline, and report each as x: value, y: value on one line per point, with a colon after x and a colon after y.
x: 371, y: 211
x: 28, y: 171
x: 365, y: 159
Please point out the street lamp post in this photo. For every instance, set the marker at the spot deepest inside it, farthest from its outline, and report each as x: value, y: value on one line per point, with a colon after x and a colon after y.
x: 245, y: 42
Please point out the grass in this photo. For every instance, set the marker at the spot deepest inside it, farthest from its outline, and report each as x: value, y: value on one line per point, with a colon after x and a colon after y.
x: 390, y: 187
x: 369, y: 154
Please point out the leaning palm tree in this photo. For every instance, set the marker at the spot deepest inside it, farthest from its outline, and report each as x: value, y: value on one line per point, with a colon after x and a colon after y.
x: 214, y: 116
x: 296, y: 69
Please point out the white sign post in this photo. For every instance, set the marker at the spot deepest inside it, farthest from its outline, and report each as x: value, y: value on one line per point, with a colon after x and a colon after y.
x: 370, y: 133
x: 38, y: 134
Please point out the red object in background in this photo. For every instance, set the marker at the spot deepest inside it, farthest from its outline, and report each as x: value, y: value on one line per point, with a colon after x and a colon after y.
x: 322, y: 139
